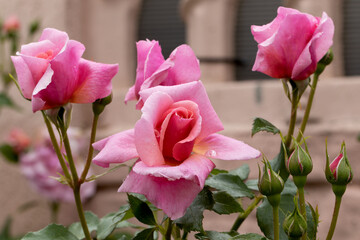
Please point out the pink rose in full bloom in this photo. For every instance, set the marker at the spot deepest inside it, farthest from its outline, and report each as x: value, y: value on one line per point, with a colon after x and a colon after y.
x: 152, y: 69
x: 173, y: 141
x: 292, y: 44
x: 11, y: 24
x: 52, y: 73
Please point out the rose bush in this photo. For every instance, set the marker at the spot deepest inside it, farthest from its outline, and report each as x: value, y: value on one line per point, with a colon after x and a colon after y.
x: 173, y: 141
x: 52, y: 73
x: 182, y: 66
x: 292, y: 44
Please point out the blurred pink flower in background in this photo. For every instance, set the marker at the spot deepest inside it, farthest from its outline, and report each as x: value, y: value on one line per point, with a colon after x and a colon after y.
x: 19, y: 140
x: 11, y: 23
x: 40, y: 164
x: 173, y: 142
x: 292, y: 44
x: 182, y: 66
x: 52, y: 73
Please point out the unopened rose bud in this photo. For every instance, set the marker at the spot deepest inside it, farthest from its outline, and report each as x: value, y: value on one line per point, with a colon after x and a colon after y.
x: 11, y: 24
x: 339, y: 172
x: 100, y: 104
x: 270, y: 184
x: 326, y: 60
x: 295, y: 225
x: 299, y: 162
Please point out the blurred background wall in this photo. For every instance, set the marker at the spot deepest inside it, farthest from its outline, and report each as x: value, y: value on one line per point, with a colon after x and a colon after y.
x: 219, y: 33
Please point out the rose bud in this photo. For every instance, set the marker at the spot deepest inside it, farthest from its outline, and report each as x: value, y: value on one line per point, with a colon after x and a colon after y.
x: 294, y: 223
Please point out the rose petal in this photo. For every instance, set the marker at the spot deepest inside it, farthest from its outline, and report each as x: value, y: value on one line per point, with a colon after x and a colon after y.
x: 63, y: 82
x: 130, y: 95
x: 225, y: 148
x: 170, y: 188
x: 315, y: 49
x: 173, y: 197
x: 193, y: 91
x: 145, y: 139
x: 186, y: 67
x: 117, y: 148
x: 59, y: 38
x: 149, y: 59
x: 94, y: 81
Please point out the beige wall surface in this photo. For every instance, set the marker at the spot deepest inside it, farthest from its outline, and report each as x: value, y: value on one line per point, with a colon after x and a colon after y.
x: 108, y: 28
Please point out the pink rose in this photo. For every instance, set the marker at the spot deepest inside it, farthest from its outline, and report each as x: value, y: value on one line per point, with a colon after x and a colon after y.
x: 292, y: 44
x: 152, y: 70
x: 173, y: 141
x: 11, y: 24
x: 52, y: 73
x: 19, y: 140
x: 39, y: 165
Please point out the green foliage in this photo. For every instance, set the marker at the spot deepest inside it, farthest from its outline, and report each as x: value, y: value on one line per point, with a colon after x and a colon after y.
x: 242, y: 172
x: 212, y: 235
x: 9, y: 153
x: 92, y: 222
x: 225, y: 204
x: 53, y: 232
x: 278, y: 163
x: 192, y: 220
x: 141, y: 210
x: 264, y: 217
x: 231, y: 184
x: 261, y: 124
x: 146, y: 234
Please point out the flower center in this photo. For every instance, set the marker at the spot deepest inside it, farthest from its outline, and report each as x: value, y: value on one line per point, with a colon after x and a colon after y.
x: 48, y: 55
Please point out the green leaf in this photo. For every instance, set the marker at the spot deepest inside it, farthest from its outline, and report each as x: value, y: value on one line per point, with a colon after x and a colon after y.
x: 5, y: 231
x: 249, y: 236
x: 146, y: 234
x: 225, y: 204
x: 261, y: 124
x: 264, y: 217
x: 231, y: 184
x: 92, y: 221
x: 141, y: 210
x: 192, y: 220
x: 213, y: 235
x: 9, y: 153
x: 242, y: 172
x: 5, y: 100
x: 216, y: 171
x: 53, y: 232
x: 278, y: 164
x: 109, y: 222
x: 252, y: 184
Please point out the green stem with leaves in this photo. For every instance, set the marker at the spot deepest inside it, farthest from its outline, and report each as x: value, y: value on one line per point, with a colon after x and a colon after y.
x: 308, y: 107
x: 294, y: 106
x: 242, y: 216
x: 76, y: 183
x: 334, y: 217
x: 91, y: 149
x: 57, y: 149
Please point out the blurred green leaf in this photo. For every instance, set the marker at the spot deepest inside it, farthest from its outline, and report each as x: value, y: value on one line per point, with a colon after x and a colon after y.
x: 53, y: 232
x: 9, y: 153
x: 261, y: 124
x: 146, y: 234
x: 242, y: 172
x: 92, y: 221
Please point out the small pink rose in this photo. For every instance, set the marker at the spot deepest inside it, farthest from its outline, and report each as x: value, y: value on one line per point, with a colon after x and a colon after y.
x: 52, y: 73
x: 152, y: 69
x: 12, y: 23
x: 173, y: 141
x: 19, y: 140
x: 292, y: 44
